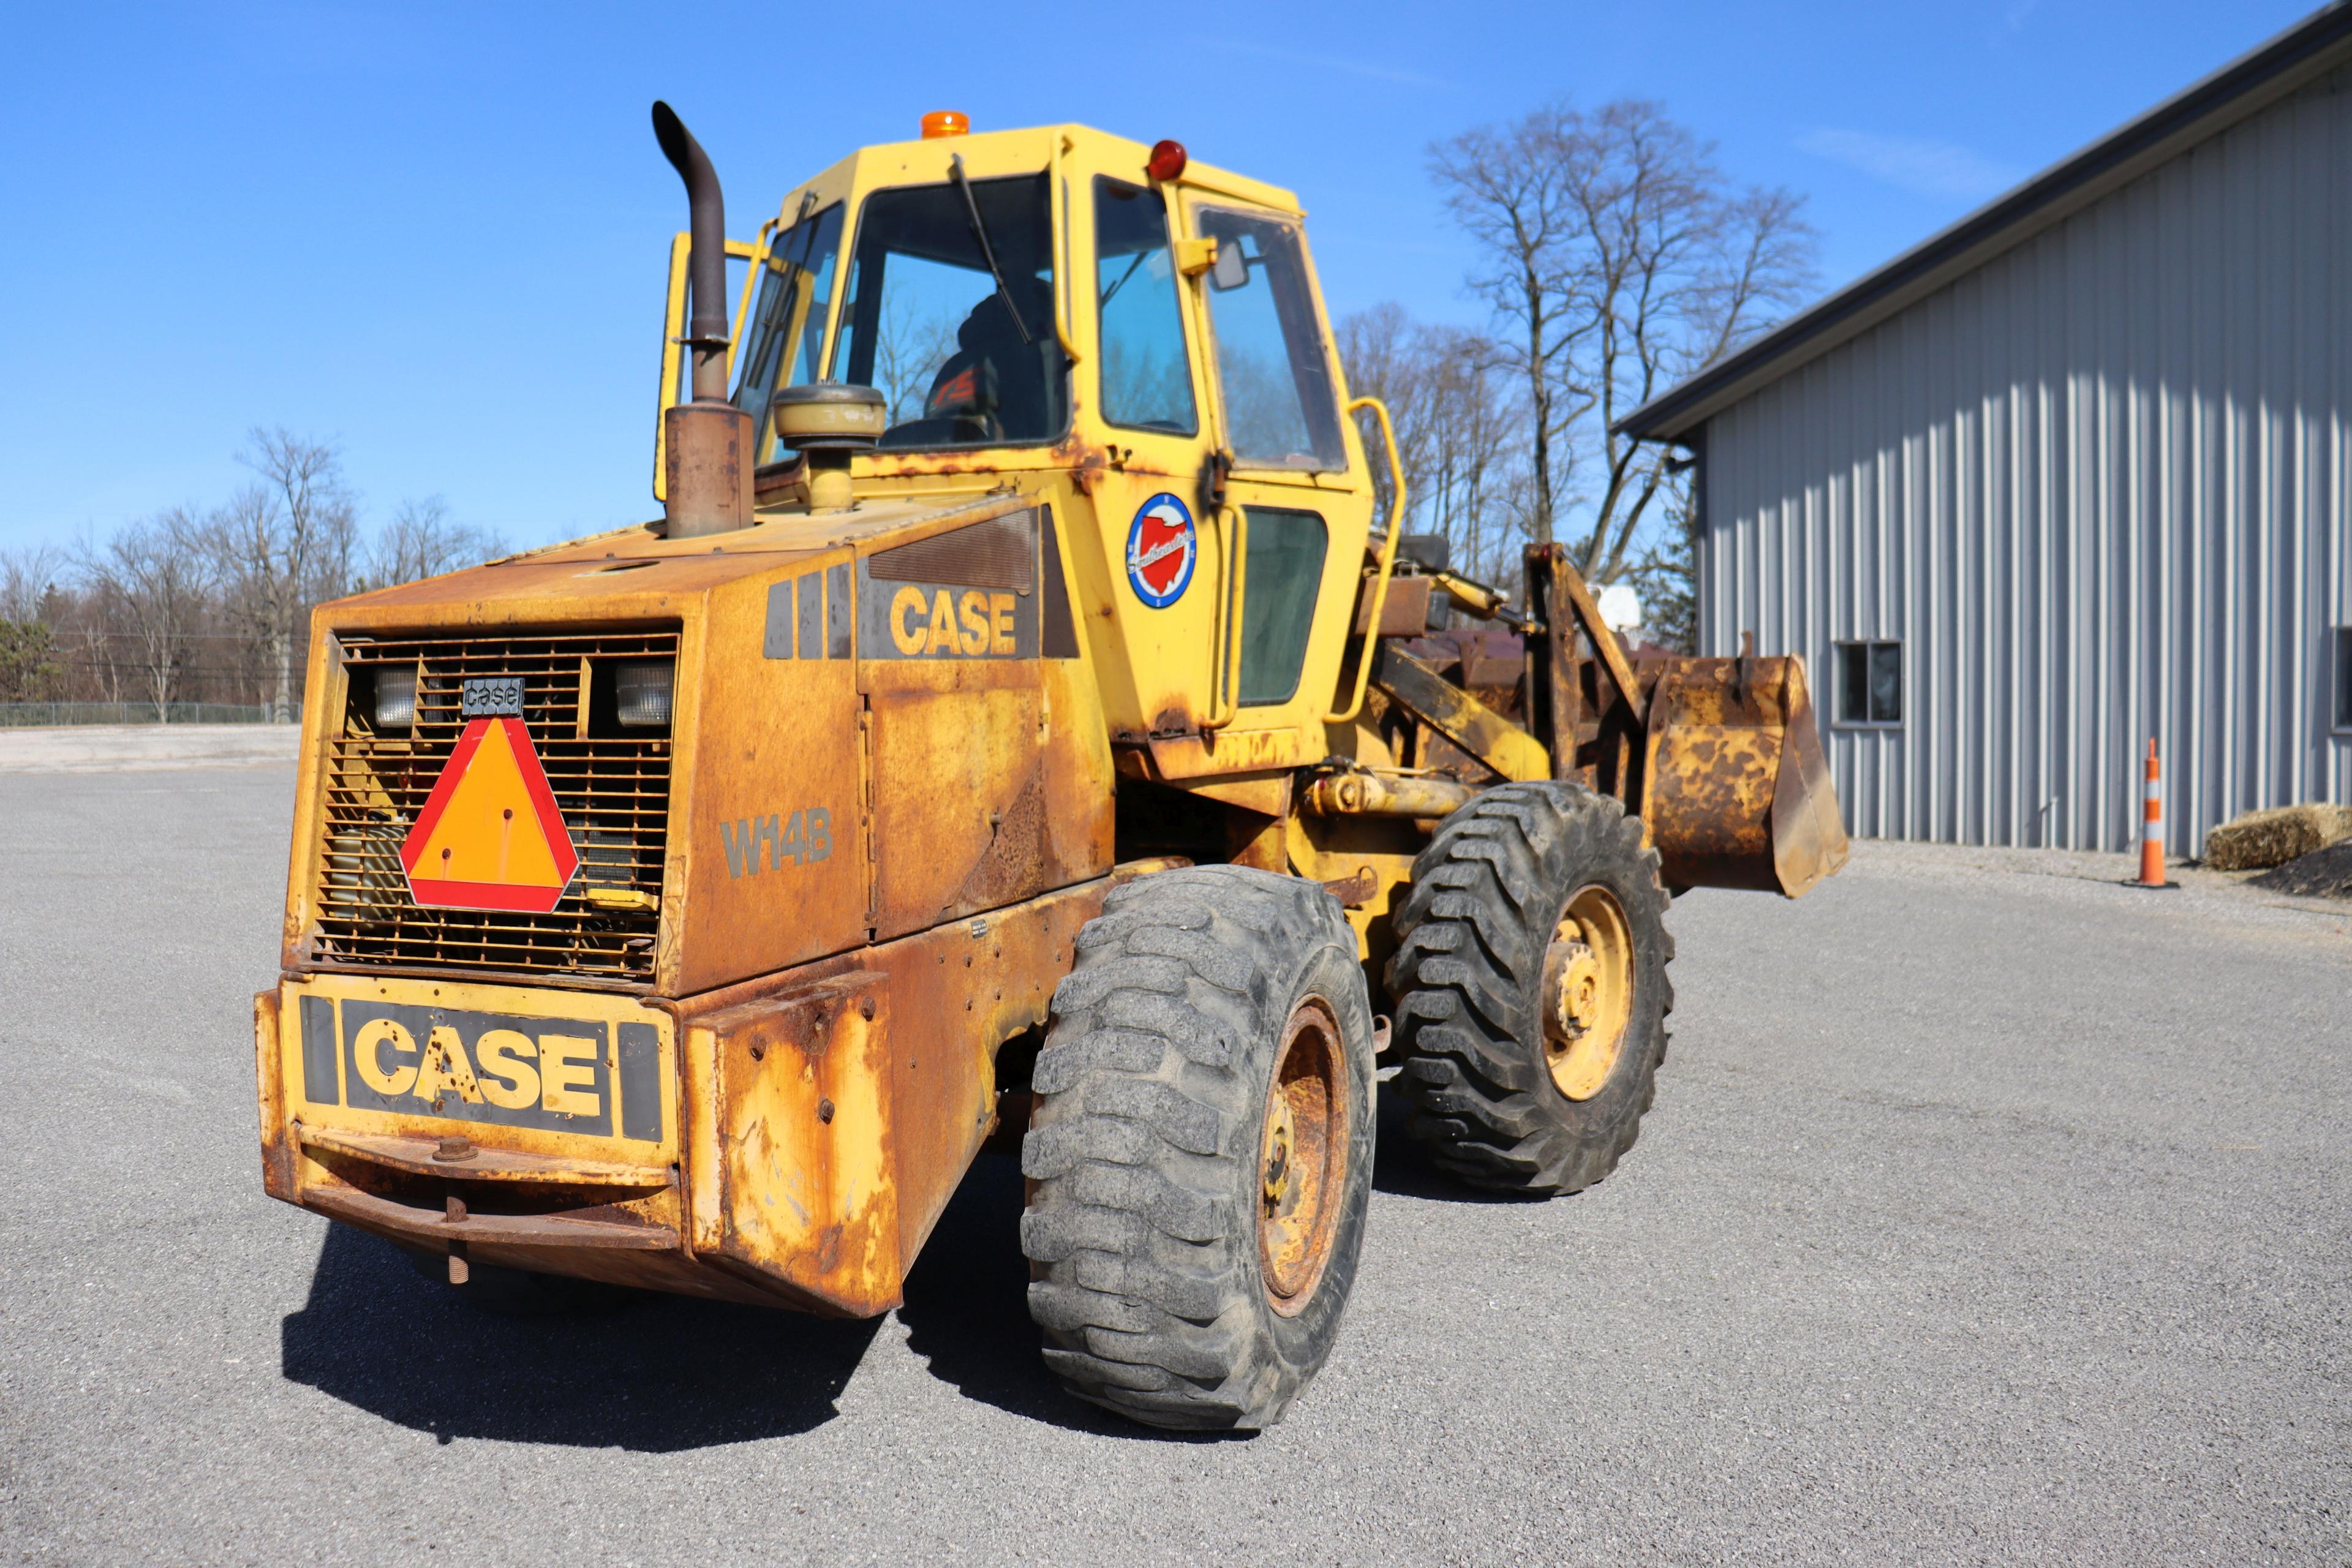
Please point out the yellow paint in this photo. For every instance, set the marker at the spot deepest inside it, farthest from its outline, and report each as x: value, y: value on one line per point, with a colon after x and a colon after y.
x: 1346, y: 715
x: 387, y: 1059
x: 1587, y: 992
x: 488, y: 831
x: 567, y: 1066
x: 942, y: 633
x: 509, y: 1077
x: 447, y: 1067
x: 368, y: 1048
x: 973, y: 623
x: 910, y: 635
x: 972, y: 610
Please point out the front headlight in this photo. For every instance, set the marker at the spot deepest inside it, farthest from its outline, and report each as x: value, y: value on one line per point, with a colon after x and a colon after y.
x: 395, y: 698
x: 641, y: 689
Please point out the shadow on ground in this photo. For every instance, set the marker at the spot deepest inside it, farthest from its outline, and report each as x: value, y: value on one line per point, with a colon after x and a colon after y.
x: 1400, y: 1167
x: 967, y: 1312
x: 663, y: 1373
x: 656, y: 1374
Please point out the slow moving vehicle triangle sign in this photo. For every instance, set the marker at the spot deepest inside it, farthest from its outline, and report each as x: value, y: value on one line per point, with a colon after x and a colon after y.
x: 490, y: 837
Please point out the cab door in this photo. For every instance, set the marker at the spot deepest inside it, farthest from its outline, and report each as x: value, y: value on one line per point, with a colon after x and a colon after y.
x: 1297, y: 495
x: 1165, y: 565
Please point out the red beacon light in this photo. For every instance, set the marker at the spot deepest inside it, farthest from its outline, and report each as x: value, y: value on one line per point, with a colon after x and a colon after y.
x: 946, y: 122
x: 1167, y: 161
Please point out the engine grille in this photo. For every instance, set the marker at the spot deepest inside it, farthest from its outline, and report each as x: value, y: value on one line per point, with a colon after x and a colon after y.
x: 612, y: 788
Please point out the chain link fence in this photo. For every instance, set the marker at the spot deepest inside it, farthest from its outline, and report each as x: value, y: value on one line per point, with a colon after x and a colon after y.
x: 26, y: 715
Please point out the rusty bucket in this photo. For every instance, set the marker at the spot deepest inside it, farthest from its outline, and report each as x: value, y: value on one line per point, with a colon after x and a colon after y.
x: 1739, y: 792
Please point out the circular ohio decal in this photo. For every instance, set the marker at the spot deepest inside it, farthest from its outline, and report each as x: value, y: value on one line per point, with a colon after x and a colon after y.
x: 1161, y: 547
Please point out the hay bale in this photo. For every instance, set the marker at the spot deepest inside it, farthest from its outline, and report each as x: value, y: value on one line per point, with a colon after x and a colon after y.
x: 2264, y: 838
x: 2321, y: 874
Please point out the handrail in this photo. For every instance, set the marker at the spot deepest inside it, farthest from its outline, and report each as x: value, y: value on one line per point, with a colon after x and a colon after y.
x: 1227, y: 689
x: 759, y: 259
x: 1065, y: 285
x: 1388, y: 561
x: 672, y: 345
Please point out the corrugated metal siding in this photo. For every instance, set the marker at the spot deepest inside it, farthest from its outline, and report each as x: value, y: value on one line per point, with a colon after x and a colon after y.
x: 2098, y: 490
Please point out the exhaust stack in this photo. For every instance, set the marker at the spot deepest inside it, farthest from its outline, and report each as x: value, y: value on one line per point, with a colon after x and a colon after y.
x: 708, y: 444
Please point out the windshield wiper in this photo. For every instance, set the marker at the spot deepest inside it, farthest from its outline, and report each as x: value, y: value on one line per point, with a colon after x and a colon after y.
x: 1141, y: 257
x: 987, y: 251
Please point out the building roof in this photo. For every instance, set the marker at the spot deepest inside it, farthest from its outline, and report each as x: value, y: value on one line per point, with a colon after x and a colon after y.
x: 2249, y: 83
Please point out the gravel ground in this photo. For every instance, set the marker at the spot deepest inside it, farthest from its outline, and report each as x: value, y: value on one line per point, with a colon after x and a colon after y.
x: 144, y: 748
x: 1992, y: 1213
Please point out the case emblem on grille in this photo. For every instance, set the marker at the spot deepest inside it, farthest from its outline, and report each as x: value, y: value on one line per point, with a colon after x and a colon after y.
x: 490, y: 836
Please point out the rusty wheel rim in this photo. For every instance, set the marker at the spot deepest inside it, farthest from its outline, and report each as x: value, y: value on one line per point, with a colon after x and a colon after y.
x: 1587, y: 992
x: 1302, y: 1159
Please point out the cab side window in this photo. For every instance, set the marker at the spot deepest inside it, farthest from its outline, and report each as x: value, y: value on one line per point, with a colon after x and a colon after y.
x: 1146, y: 378
x: 1272, y: 369
x: 1283, y: 569
x: 787, y: 323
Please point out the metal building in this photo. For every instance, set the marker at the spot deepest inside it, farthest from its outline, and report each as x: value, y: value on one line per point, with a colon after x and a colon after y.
x: 2072, y: 473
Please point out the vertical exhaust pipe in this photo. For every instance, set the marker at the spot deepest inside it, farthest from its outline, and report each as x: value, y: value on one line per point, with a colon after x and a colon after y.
x: 708, y: 444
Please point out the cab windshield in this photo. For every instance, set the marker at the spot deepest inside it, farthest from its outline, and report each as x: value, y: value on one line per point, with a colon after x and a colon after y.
x: 786, y: 329
x: 959, y: 360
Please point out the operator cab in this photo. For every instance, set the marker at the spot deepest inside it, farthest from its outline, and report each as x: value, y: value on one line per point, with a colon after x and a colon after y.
x: 1133, y: 337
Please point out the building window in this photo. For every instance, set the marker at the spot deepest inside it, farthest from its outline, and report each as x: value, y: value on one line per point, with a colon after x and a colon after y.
x: 1869, y: 683
x: 2343, y: 678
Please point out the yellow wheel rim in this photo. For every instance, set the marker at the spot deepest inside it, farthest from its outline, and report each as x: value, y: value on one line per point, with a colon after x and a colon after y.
x: 1587, y: 992
x: 1303, y: 1166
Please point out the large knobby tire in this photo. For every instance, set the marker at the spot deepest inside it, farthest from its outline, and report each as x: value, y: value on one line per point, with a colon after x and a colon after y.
x: 1200, y: 1155
x: 1530, y: 978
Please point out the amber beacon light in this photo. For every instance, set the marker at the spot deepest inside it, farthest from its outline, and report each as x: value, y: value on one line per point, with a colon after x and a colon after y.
x: 945, y: 122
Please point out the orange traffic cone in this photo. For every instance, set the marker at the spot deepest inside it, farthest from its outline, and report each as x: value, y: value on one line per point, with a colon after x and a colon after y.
x: 2151, y: 833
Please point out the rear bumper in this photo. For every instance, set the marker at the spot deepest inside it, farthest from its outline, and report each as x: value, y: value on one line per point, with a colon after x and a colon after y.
x: 362, y: 1093
x: 789, y: 1141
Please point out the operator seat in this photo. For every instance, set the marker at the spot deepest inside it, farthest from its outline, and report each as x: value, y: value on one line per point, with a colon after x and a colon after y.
x: 994, y: 387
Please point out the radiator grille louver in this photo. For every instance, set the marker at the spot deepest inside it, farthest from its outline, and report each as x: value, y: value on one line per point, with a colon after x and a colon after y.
x: 612, y: 791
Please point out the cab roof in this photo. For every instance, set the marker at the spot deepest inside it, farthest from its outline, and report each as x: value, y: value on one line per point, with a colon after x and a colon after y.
x: 987, y: 154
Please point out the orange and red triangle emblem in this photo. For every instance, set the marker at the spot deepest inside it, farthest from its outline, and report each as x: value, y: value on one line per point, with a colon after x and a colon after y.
x: 489, y: 837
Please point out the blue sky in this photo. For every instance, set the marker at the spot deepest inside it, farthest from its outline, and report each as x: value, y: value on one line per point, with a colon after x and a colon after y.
x: 435, y: 234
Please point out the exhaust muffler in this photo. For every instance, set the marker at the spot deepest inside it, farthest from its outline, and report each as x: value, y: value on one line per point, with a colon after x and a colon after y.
x: 708, y: 444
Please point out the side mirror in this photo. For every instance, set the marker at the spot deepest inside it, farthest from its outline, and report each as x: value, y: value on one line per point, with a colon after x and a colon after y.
x: 1230, y: 271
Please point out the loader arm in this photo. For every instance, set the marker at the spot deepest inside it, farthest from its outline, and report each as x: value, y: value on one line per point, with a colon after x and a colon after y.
x: 1721, y: 759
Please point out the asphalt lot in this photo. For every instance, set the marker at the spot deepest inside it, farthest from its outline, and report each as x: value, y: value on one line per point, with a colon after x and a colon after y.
x: 1990, y: 1213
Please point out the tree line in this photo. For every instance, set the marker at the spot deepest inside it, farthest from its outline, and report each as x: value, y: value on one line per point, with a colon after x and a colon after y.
x: 1614, y: 257
x: 200, y: 604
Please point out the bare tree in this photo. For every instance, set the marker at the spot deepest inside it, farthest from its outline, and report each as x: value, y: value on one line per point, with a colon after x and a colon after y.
x: 1380, y: 350
x: 422, y: 541
x: 908, y: 351
x: 1509, y: 189
x: 283, y: 545
x: 29, y: 579
x: 152, y: 581
x: 1460, y: 433
x: 1618, y: 258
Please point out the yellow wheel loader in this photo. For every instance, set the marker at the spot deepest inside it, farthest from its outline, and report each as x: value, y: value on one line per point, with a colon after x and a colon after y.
x: 1018, y: 727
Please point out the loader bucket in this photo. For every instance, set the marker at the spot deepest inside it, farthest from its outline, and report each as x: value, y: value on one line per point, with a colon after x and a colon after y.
x: 1739, y: 792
